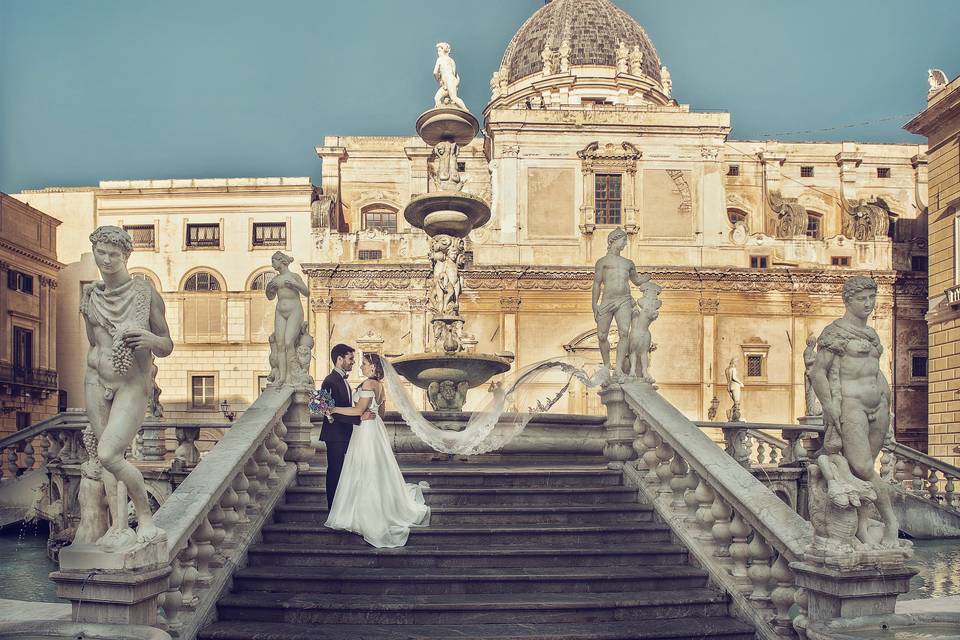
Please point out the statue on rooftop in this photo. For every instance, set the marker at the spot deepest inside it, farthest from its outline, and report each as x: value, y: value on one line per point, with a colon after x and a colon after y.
x: 445, y: 71
x: 564, y: 52
x: 937, y: 80
x: 546, y: 56
x: 636, y: 61
x: 623, y: 57
x: 666, y: 81
x: 126, y: 328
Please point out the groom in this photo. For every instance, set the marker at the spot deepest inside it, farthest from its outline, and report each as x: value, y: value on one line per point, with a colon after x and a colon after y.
x: 336, y: 431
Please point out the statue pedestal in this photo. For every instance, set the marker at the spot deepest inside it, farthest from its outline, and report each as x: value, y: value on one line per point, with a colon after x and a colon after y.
x: 850, y: 593
x: 297, y: 421
x: 618, y: 426
x: 116, y: 588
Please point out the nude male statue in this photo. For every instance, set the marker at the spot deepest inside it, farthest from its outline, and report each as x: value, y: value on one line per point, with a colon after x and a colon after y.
x: 612, y: 299
x: 856, y: 408
x: 126, y: 328
x: 445, y: 71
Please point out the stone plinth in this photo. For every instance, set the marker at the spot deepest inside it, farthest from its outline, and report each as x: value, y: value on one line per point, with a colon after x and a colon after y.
x: 113, y: 597
x: 618, y: 426
x: 299, y: 427
x: 851, y: 593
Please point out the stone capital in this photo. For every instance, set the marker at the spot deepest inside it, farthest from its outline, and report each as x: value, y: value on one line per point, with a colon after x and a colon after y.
x: 801, y: 306
x: 773, y: 157
x: 709, y: 306
x: 510, y: 304
x: 417, y: 304
x: 320, y: 304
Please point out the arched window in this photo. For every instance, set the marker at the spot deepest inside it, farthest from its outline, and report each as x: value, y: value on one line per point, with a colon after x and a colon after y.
x: 814, y: 225
x: 202, y: 281
x: 260, y: 281
x: 736, y: 215
x: 380, y: 217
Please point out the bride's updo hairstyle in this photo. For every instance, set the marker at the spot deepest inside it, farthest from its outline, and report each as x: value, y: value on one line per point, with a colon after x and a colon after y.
x: 374, y: 359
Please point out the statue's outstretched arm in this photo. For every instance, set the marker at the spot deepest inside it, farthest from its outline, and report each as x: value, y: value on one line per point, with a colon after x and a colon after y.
x: 637, y: 278
x: 158, y: 324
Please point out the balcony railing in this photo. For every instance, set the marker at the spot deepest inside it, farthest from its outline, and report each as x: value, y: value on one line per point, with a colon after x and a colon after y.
x: 953, y: 295
x: 39, y: 378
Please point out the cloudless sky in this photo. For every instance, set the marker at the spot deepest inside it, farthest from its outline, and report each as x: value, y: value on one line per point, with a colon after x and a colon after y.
x: 96, y: 90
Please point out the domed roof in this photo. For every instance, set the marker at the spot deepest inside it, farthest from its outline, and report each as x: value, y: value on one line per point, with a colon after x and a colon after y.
x: 593, y: 29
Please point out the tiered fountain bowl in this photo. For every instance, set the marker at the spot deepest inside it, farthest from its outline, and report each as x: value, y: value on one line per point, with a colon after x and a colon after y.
x: 452, y: 213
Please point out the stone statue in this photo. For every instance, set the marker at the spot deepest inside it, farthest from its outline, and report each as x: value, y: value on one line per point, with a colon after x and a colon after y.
x: 636, y: 61
x: 446, y: 255
x: 93, y: 505
x: 809, y: 357
x: 564, y: 56
x: 290, y: 335
x: 126, y: 328
x: 611, y: 297
x: 855, y: 397
x: 639, y: 341
x: 937, y: 80
x: 446, y: 176
x: 734, y: 388
x: 445, y: 71
x: 504, y: 81
x: 447, y: 395
x: 547, y: 57
x: 623, y: 57
x: 495, y: 85
x: 666, y: 81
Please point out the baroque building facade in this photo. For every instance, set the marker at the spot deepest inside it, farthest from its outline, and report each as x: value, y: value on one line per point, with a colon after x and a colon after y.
x: 582, y: 133
x: 940, y: 122
x: 28, y: 315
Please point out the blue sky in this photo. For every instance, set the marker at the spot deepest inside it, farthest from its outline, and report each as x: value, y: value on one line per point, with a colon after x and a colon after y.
x: 130, y: 89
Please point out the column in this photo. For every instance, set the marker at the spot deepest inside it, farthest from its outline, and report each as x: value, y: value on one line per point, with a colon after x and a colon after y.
x: 849, y: 160
x: 417, y: 307
x: 509, y: 322
x: 320, y: 303
x: 708, y: 338
x: 509, y: 183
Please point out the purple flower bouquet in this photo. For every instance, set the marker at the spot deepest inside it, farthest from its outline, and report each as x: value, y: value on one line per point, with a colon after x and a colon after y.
x: 321, y: 403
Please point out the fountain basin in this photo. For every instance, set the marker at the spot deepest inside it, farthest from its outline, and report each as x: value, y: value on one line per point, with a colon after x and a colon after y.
x: 447, y: 212
x: 446, y: 377
x: 920, y: 626
x: 52, y: 629
x: 447, y: 124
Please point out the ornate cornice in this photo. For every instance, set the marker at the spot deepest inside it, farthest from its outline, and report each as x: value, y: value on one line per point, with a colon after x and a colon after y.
x: 32, y: 255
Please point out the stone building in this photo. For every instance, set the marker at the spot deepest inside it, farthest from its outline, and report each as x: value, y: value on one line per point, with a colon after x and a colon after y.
x: 940, y: 122
x: 582, y: 133
x: 28, y: 315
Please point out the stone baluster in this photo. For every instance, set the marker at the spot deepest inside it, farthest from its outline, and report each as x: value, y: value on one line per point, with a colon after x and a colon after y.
x: 739, y: 550
x: 188, y: 560
x: 215, y: 518
x: 775, y: 455
x: 28, y: 456
x: 664, y: 474
x: 678, y: 483
x: 949, y: 497
x: 262, y: 457
x: 800, y: 598
x: 721, y: 530
x: 691, y: 482
x: 250, y: 471
x: 4, y: 473
x: 651, y: 441
x: 44, y: 449
x: 228, y: 503
x: 202, y: 537
x: 782, y: 596
x: 705, y: 519
x: 759, y: 571
x: 900, y: 472
x: 887, y: 462
x: 12, y: 467
x: 241, y: 485
x: 919, y: 472
x: 172, y: 601
x: 761, y: 452
x: 640, y: 428
x: 271, y: 444
x: 280, y: 431
x: 933, y: 485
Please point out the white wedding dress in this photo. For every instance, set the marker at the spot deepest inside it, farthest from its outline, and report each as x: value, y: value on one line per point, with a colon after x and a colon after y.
x: 372, y: 497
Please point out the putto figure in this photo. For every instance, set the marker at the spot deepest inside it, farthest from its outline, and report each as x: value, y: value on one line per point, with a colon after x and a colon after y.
x: 612, y: 299
x: 126, y: 328
x: 445, y: 71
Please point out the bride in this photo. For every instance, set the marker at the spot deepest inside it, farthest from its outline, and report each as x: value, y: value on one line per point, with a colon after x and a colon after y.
x: 372, y: 498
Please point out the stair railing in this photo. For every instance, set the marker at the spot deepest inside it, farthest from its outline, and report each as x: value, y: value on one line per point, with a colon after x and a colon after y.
x: 921, y: 475
x: 56, y: 437
x: 736, y: 527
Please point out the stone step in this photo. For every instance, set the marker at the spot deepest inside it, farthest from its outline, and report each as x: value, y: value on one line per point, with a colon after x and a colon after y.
x: 434, y: 535
x: 477, y: 475
x: 467, y: 556
x: 683, y: 629
x: 493, y: 516
x: 499, y: 496
x: 353, y: 580
x: 417, y: 609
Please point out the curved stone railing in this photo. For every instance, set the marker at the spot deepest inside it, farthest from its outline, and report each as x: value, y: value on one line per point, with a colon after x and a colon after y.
x: 921, y: 475
x: 56, y: 437
x: 739, y: 530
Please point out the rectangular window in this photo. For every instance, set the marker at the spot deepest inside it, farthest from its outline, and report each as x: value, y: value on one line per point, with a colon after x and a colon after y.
x: 758, y: 262
x: 607, y: 198
x: 754, y: 366
x: 20, y: 281
x: 204, y: 318
x: 143, y: 235
x: 918, y: 263
x: 370, y: 254
x: 22, y: 349
x: 918, y: 366
x: 203, y: 393
x: 269, y: 234
x: 840, y: 261
x: 23, y: 420
x: 733, y: 170
x: 813, y: 227
x: 883, y: 172
x: 262, y: 383
x: 385, y: 221
x: 203, y: 235
x: 467, y: 258
x: 806, y: 171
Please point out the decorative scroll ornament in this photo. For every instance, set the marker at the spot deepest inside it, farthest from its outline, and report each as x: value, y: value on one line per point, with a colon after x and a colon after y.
x: 866, y: 220
x: 622, y: 157
x: 789, y: 217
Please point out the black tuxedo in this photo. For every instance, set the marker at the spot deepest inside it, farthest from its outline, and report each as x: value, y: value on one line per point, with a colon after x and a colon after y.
x: 336, y: 432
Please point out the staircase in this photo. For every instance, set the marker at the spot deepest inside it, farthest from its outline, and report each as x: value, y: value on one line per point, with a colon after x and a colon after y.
x: 530, y: 550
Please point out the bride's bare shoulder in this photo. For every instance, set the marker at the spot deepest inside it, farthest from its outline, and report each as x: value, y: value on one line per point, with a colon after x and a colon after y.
x: 371, y: 385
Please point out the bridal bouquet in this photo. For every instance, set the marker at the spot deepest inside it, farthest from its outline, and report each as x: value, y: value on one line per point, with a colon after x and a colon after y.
x: 321, y: 403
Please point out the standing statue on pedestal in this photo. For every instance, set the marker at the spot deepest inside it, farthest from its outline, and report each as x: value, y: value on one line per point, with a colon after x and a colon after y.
x: 735, y: 389
x: 446, y: 254
x: 445, y: 71
x: 640, y: 341
x: 126, y: 328
x: 291, y: 343
x: 810, y: 396
x: 611, y: 298
x: 855, y: 397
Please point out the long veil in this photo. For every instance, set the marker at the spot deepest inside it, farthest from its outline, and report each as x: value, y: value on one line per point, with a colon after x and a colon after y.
x: 503, y: 414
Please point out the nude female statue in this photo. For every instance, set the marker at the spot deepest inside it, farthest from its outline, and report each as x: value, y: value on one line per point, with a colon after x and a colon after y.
x: 126, y: 328
x: 286, y: 287
x: 445, y: 71
x: 855, y: 396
